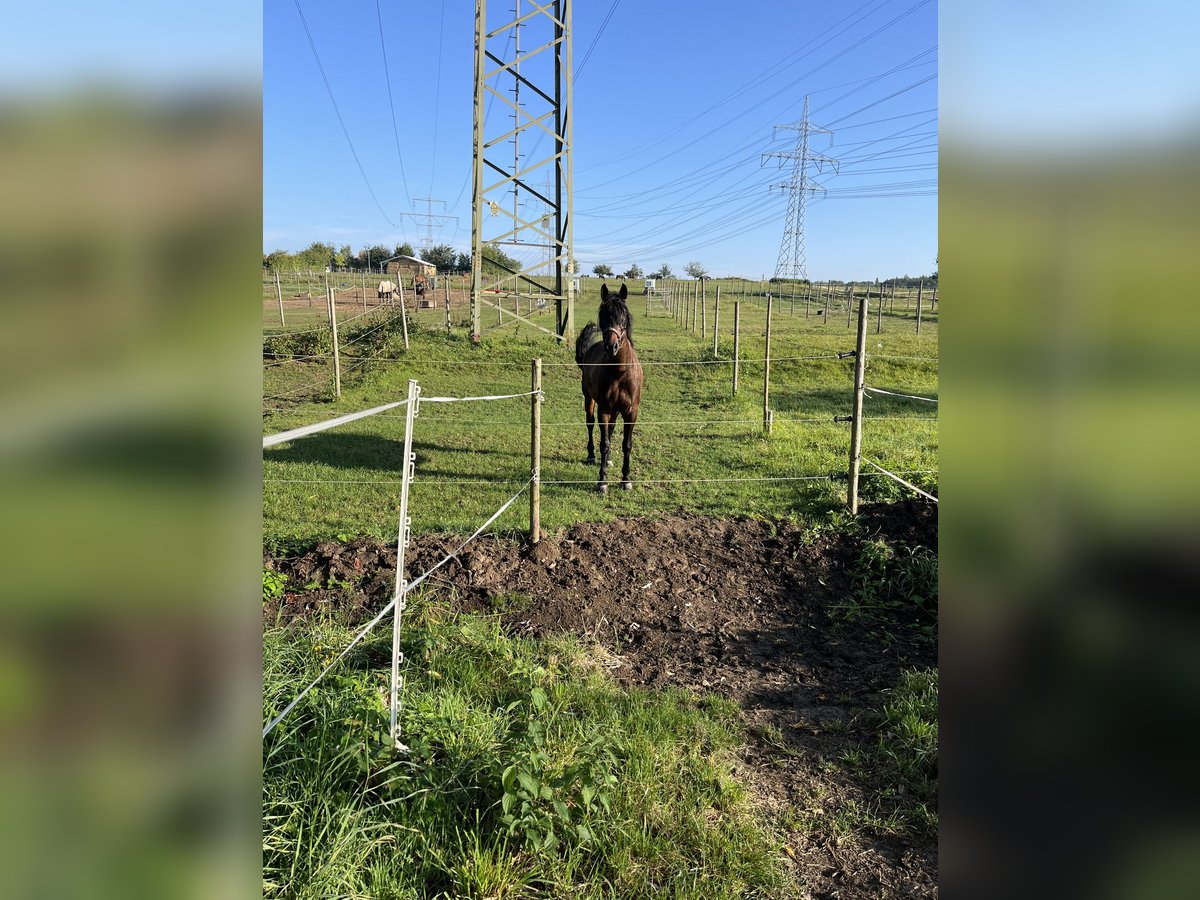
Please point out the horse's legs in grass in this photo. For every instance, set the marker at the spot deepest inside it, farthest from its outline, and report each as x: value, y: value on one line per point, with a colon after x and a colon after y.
x: 589, y: 409
x: 606, y: 418
x: 627, y: 449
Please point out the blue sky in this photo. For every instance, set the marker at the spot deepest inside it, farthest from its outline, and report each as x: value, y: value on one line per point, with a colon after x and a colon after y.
x: 652, y: 104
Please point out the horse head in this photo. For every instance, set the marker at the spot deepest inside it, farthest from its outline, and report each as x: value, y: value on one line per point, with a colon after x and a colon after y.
x: 616, y: 324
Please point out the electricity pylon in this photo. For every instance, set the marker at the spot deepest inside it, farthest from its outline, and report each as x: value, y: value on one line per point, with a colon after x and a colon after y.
x: 793, y: 262
x: 538, y: 78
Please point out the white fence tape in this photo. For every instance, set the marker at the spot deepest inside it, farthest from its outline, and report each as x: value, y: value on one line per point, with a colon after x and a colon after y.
x: 901, y: 480
x: 465, y: 399
x: 894, y: 394
x: 284, y: 436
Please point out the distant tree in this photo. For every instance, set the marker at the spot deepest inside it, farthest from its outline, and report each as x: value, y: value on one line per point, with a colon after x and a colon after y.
x: 463, y: 263
x: 278, y: 260
x: 316, y: 255
x: 343, y: 256
x: 372, y: 257
x: 663, y: 272
x: 405, y: 249
x: 602, y: 269
x: 441, y: 255
x: 496, y: 260
x: 635, y: 271
x: 695, y: 270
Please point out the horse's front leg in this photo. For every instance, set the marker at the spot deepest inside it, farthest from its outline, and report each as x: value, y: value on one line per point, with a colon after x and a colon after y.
x: 589, y: 410
x: 627, y: 449
x: 606, y: 418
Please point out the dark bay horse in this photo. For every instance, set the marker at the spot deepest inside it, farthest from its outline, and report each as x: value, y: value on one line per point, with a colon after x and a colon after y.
x: 612, y: 379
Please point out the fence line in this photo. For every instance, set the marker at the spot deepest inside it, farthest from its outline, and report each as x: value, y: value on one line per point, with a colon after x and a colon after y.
x: 386, y: 321
x: 305, y: 430
x: 464, y: 399
x: 894, y: 394
x: 282, y: 334
x: 896, y: 477
x: 833, y: 476
x: 398, y: 599
x: 501, y: 423
x: 280, y: 360
x: 316, y: 427
x: 701, y: 362
x: 303, y: 387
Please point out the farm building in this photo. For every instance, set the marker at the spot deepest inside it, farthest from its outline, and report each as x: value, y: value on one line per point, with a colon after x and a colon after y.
x: 410, y: 267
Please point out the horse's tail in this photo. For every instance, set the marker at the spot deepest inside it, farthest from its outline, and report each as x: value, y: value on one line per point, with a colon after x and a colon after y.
x: 590, y: 330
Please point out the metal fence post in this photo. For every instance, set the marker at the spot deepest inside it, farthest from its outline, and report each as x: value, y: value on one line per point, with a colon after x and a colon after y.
x: 767, y: 372
x: 410, y: 412
x: 535, y: 453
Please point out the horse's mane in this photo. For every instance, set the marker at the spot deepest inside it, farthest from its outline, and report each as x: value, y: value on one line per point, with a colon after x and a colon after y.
x: 590, y: 333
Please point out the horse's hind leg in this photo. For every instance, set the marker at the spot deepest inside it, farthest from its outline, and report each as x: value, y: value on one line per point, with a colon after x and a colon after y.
x: 589, y: 409
x: 627, y: 449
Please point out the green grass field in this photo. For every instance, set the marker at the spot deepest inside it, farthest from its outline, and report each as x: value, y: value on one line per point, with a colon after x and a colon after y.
x: 692, y: 431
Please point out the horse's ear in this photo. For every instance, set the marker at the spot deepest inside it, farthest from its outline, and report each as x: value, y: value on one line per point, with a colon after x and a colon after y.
x: 624, y: 291
x: 604, y: 293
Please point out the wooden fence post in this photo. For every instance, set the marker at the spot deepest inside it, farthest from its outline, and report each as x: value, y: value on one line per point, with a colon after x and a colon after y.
x: 767, y: 372
x: 849, y: 304
x: 828, y: 291
x: 737, y: 340
x: 807, y: 299
x: 279, y: 297
x: 337, y: 361
x: 860, y: 362
x: 716, y: 318
x: 920, y: 292
x: 447, y: 295
x: 879, y: 311
x: 535, y: 453
x: 703, y: 308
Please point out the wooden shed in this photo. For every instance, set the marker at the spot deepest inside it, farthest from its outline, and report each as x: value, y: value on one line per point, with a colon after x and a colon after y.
x: 409, y: 267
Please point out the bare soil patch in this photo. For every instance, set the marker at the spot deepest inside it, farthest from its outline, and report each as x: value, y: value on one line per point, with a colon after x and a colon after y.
x: 740, y: 607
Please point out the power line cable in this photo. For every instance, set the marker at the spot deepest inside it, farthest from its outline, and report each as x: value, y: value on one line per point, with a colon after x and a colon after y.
x: 316, y: 56
x: 392, y: 107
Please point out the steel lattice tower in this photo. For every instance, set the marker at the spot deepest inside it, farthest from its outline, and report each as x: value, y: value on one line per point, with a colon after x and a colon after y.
x: 793, y: 262
x: 533, y: 82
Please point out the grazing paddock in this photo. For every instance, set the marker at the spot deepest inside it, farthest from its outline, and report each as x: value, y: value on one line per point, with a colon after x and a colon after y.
x: 718, y: 684
x: 691, y: 428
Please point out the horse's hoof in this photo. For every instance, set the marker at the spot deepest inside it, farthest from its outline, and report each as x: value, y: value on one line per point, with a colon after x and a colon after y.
x: 627, y: 485
x: 591, y: 461
x: 602, y: 487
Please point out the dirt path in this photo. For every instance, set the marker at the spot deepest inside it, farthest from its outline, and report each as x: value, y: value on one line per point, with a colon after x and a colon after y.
x: 739, y: 607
